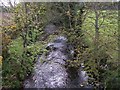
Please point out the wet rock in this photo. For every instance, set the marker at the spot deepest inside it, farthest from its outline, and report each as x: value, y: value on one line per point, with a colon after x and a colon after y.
x: 59, y: 44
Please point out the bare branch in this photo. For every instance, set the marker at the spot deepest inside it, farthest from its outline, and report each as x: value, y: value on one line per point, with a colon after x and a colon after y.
x: 10, y: 3
x: 102, y: 20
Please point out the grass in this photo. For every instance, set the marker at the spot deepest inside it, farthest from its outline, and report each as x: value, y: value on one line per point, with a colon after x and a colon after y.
x: 108, y: 32
x: 16, y: 46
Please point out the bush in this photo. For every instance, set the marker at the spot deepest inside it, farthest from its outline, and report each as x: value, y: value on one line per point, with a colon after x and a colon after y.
x: 18, y: 65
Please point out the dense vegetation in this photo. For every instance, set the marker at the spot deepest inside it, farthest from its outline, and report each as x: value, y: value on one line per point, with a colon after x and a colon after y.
x: 92, y: 30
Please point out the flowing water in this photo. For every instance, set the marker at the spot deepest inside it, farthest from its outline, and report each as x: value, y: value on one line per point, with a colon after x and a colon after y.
x: 52, y: 73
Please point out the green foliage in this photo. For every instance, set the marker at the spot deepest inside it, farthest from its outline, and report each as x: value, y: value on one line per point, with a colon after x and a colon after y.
x: 22, y: 45
x: 107, y: 53
x: 19, y: 64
